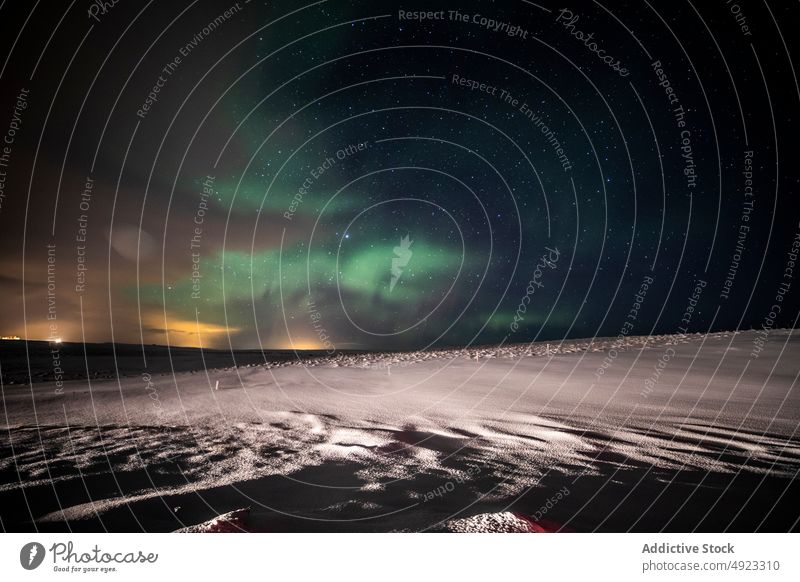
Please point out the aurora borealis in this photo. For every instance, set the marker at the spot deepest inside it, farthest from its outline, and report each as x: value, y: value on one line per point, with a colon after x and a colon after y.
x: 352, y: 175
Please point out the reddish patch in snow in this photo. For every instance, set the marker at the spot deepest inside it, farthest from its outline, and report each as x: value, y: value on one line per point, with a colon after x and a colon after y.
x: 540, y: 526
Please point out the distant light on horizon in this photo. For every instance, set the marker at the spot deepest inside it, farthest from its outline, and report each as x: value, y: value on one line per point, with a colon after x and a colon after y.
x: 302, y: 344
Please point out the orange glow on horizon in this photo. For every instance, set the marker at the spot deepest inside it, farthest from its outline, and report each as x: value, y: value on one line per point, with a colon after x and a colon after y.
x: 186, y: 332
x: 301, y: 344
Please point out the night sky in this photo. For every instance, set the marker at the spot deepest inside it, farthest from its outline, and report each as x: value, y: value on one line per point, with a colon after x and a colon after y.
x: 348, y: 175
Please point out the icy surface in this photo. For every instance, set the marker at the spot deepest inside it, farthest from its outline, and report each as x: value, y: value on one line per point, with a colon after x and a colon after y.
x: 403, y: 441
x: 503, y: 522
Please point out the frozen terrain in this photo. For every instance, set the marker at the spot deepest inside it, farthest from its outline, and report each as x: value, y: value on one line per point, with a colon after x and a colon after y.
x: 671, y: 432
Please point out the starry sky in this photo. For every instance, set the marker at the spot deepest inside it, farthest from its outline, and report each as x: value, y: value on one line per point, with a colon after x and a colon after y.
x: 347, y: 175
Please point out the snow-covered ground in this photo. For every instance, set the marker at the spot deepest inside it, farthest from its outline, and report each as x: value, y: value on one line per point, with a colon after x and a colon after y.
x: 668, y: 432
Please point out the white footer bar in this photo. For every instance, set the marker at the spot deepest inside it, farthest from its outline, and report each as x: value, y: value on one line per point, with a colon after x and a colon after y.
x: 388, y: 557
